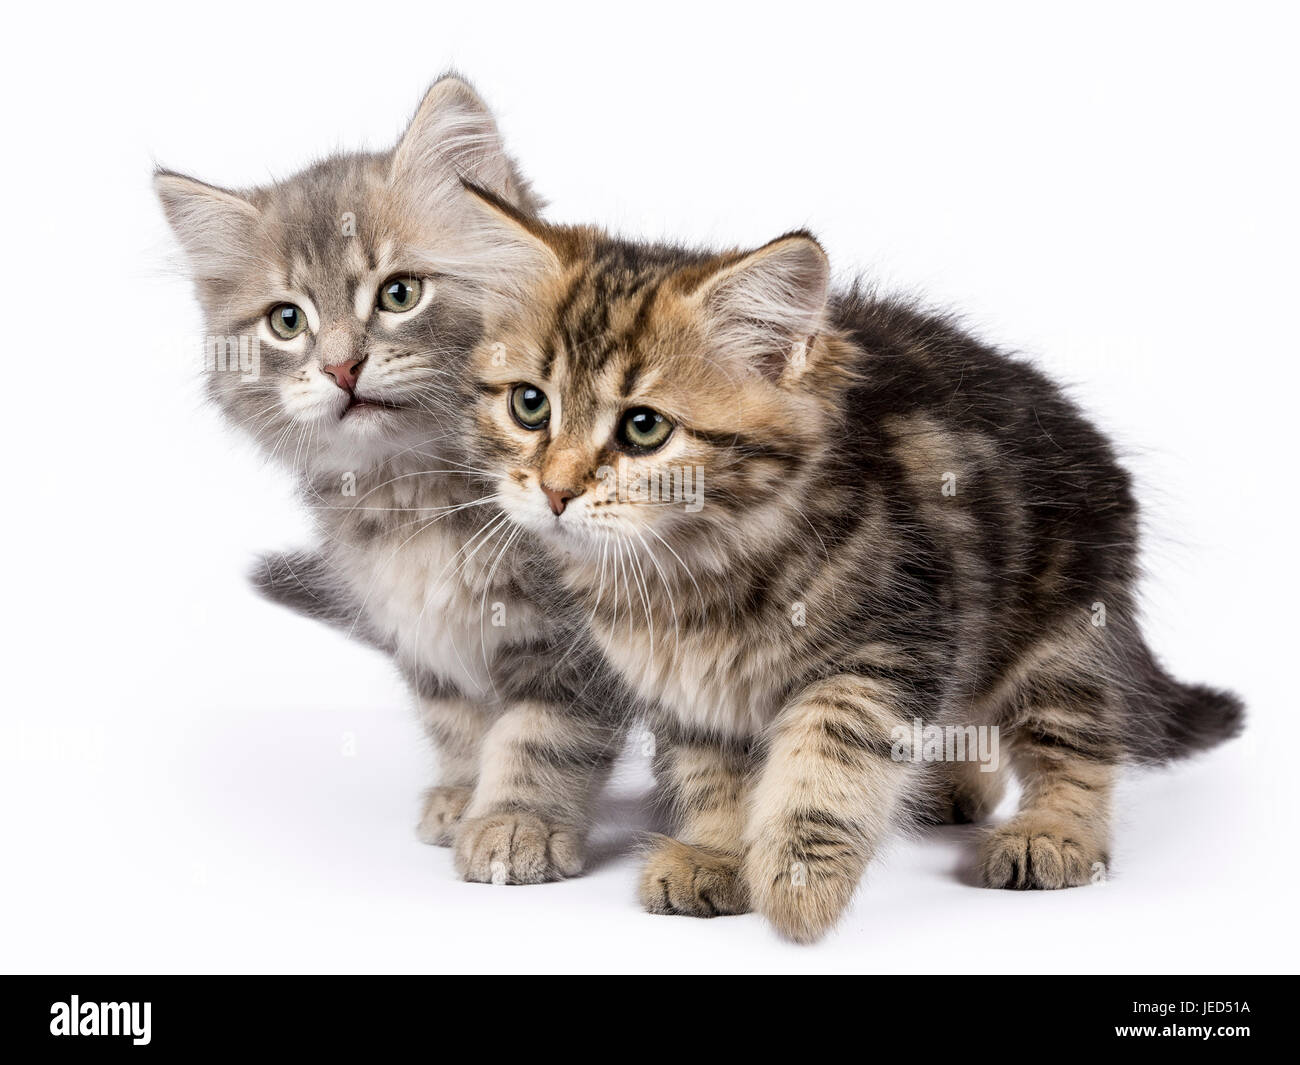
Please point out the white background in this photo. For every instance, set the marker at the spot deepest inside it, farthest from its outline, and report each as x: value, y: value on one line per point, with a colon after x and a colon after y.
x: 1110, y: 187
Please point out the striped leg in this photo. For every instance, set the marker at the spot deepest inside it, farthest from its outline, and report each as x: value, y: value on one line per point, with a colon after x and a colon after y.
x: 539, y: 769
x: 698, y: 873
x: 457, y: 727
x: 828, y: 794
x: 1063, y: 752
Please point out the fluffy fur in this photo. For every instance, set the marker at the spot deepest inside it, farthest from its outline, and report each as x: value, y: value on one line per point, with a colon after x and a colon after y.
x: 414, y: 558
x: 899, y: 522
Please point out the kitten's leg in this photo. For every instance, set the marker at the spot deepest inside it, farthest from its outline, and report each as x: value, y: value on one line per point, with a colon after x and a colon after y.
x: 966, y: 794
x: 1063, y: 751
x: 457, y: 727
x: 698, y: 873
x: 539, y: 768
x: 828, y: 794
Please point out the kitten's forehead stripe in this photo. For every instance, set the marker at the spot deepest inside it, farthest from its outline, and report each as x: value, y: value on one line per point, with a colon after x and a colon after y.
x: 561, y: 313
x: 642, y: 320
x: 603, y: 317
x: 631, y: 375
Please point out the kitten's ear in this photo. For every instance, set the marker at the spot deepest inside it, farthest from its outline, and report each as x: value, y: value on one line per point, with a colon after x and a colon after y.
x: 453, y: 133
x: 504, y: 250
x: 214, y: 226
x: 767, y: 306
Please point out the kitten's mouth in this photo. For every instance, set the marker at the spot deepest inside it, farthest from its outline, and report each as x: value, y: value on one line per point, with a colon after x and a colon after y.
x: 362, y: 405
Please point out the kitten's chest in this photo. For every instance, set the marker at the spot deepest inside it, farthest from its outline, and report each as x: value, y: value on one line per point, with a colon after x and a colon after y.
x: 706, y: 680
x: 440, y: 602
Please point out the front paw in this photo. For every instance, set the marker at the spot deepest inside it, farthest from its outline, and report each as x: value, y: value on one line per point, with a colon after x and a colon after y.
x: 1031, y: 852
x: 516, y: 848
x: 691, y: 881
x: 442, y: 809
x: 801, y: 898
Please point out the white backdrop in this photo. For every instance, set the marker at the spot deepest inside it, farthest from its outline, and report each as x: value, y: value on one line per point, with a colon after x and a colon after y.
x: 1111, y: 188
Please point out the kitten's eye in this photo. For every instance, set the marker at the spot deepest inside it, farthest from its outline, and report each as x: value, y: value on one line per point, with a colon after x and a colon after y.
x: 644, y: 429
x: 529, y: 405
x: 399, y: 293
x: 287, y: 321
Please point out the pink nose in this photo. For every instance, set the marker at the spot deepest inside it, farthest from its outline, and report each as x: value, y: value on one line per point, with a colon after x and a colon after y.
x: 557, y: 499
x: 345, y: 374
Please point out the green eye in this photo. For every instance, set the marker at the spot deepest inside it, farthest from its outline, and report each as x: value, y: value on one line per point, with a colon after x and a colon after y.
x: 399, y: 294
x: 529, y: 405
x: 643, y: 429
x: 287, y: 321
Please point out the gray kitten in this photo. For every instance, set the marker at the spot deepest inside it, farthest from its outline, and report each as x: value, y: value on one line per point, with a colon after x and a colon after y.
x: 344, y: 301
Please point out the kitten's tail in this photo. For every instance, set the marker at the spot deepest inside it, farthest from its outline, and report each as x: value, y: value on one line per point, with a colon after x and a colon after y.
x: 1169, y: 719
x: 304, y: 582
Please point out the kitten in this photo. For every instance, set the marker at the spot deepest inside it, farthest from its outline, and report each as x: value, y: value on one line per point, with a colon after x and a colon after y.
x: 898, y: 527
x: 360, y: 283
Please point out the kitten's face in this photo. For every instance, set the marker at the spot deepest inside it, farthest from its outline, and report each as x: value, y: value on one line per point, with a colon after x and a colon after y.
x: 639, y: 402
x: 352, y: 290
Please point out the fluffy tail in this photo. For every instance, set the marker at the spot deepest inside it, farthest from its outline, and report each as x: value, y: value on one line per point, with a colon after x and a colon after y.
x: 304, y: 582
x: 1169, y: 719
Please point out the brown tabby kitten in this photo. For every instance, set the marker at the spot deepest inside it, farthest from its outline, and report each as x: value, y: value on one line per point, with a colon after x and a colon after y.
x: 889, y: 521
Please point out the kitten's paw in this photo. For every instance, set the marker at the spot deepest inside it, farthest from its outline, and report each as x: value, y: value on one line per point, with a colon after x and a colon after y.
x: 442, y: 809
x: 803, y: 910
x: 680, y: 879
x: 802, y: 896
x: 516, y: 848
x: 1031, y: 851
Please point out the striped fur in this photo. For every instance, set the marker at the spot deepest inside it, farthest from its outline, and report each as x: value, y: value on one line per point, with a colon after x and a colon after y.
x: 898, y: 523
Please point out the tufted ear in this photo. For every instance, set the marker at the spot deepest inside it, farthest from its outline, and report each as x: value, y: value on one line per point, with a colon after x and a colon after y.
x: 214, y: 226
x: 454, y: 134
x: 504, y: 251
x: 766, y: 304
